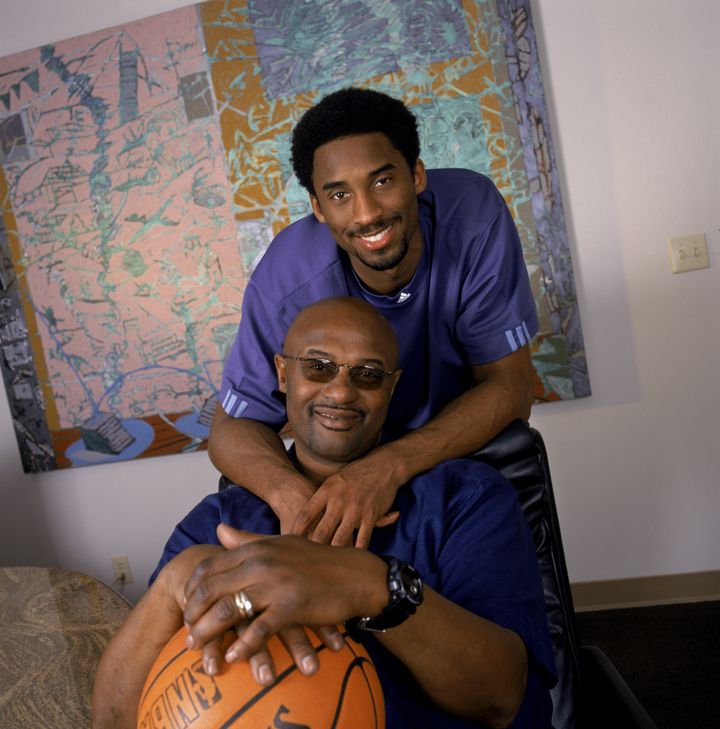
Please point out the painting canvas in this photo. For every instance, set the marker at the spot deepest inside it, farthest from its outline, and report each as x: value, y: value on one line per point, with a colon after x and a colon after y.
x: 145, y: 168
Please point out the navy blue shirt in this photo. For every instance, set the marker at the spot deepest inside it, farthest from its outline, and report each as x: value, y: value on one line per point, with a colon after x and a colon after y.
x: 462, y: 528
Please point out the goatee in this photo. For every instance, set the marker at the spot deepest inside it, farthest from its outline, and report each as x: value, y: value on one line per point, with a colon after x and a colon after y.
x: 386, y: 264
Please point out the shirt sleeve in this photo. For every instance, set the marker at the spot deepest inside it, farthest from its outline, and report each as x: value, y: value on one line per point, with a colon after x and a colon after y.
x: 235, y: 506
x: 497, y: 314
x: 198, y: 527
x: 249, y: 383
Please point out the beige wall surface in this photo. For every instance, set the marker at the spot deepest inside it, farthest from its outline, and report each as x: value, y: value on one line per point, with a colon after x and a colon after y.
x: 630, y: 87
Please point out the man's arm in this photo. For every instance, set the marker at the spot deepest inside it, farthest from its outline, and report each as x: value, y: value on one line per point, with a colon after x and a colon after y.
x: 466, y: 664
x: 361, y: 492
x: 128, y: 656
x: 503, y: 392
x: 252, y: 454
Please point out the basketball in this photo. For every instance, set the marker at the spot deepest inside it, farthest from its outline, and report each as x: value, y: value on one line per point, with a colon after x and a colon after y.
x: 344, y: 693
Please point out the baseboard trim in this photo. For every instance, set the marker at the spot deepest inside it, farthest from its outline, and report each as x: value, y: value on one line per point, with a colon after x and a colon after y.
x: 643, y: 591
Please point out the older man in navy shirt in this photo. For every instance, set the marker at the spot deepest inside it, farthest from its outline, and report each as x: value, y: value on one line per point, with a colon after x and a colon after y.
x: 451, y: 582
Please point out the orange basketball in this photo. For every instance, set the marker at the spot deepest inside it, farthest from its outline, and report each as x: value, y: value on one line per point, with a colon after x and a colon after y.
x: 344, y: 693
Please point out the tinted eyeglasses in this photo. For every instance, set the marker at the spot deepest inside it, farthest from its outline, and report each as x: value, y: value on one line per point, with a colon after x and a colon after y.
x: 364, y: 377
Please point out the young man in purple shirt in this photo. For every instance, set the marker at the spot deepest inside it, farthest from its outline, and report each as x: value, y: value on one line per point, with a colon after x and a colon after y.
x: 437, y: 254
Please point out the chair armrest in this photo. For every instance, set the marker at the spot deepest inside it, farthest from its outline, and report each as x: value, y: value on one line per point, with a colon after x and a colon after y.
x: 607, y: 701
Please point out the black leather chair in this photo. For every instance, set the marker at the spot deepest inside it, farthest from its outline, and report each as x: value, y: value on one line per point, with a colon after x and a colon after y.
x: 590, y: 692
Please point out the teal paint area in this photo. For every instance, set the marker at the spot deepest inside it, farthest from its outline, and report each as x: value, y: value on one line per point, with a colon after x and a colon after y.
x: 320, y: 46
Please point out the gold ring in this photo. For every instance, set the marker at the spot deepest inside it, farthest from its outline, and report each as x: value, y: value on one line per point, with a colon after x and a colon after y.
x: 244, y: 606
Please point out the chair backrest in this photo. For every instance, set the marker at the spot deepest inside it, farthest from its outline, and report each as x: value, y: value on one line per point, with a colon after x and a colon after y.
x: 519, y: 454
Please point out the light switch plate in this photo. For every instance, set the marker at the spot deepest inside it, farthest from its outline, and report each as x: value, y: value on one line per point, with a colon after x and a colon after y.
x: 688, y: 252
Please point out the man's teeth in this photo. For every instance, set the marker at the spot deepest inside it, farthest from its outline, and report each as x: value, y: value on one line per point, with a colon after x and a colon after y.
x: 338, y: 416
x: 376, y: 236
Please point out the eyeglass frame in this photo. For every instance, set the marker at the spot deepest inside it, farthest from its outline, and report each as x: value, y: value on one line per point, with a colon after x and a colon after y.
x: 353, y: 369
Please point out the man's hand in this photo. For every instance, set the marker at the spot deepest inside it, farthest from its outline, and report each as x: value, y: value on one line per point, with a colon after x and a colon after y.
x: 293, y: 581
x: 253, y: 455
x: 294, y: 637
x: 292, y: 503
x: 289, y: 580
x: 357, y: 497
x: 298, y: 644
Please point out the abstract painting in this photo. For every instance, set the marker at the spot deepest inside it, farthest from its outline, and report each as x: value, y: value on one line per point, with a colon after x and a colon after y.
x: 145, y: 168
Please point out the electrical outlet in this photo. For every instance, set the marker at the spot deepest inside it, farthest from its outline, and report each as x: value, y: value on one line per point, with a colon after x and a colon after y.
x: 121, y: 570
x: 688, y: 252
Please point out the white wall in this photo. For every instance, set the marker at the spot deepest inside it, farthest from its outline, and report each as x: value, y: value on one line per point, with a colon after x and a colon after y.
x: 631, y: 88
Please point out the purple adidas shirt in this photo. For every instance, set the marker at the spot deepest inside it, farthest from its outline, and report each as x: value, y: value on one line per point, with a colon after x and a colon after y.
x: 469, y: 302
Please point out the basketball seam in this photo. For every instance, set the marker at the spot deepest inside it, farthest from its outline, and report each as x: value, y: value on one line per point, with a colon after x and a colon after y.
x: 356, y: 663
x: 159, y: 674
x: 367, y: 683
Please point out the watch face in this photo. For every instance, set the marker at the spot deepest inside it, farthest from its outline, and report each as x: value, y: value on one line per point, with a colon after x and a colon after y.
x: 412, y: 584
x: 406, y: 593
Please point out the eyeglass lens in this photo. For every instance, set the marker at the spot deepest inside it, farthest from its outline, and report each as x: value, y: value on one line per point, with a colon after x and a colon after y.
x: 324, y: 370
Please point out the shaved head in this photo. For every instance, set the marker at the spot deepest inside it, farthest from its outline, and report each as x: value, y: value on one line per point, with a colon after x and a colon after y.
x: 354, y: 315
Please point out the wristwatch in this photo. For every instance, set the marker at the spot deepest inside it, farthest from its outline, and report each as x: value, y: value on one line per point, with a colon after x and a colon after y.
x: 406, y: 593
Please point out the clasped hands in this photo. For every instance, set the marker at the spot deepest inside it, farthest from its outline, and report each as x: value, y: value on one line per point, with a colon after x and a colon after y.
x: 291, y: 582
x: 346, y: 507
x: 296, y: 580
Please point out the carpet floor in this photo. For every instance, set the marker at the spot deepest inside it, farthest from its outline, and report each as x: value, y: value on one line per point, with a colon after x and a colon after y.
x: 669, y: 655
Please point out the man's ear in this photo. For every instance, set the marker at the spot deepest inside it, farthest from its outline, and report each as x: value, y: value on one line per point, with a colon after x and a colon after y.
x: 316, y: 208
x: 396, y: 377
x: 419, y: 176
x: 281, y: 369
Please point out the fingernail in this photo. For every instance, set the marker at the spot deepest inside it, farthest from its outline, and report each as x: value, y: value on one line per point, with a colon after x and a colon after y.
x: 309, y: 665
x: 231, y: 655
x: 211, y: 666
x: 189, y: 641
x: 265, y: 675
x: 336, y: 642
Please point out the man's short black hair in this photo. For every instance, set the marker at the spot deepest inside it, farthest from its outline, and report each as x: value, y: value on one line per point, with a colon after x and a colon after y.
x: 352, y: 111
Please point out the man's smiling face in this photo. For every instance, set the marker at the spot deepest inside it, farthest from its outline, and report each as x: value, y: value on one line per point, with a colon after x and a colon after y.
x: 337, y: 421
x: 367, y: 195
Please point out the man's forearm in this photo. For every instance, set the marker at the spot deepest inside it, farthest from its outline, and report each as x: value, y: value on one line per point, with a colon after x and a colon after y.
x: 464, y: 663
x: 252, y: 455
x: 129, y: 655
x: 503, y: 394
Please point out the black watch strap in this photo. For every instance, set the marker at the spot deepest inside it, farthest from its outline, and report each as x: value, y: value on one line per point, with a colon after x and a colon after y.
x: 406, y: 593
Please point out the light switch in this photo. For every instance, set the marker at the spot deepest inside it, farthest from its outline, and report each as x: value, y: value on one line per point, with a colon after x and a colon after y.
x: 688, y: 252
